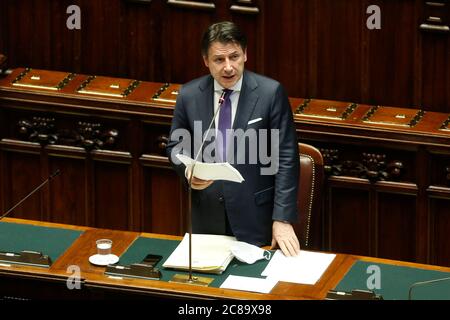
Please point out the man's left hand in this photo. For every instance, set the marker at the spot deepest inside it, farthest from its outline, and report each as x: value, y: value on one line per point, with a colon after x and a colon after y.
x: 283, y: 233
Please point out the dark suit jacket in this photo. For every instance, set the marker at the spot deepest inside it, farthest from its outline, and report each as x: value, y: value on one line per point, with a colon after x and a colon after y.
x: 252, y: 205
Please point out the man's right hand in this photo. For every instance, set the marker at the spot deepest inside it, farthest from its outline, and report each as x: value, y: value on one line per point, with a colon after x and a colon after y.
x: 198, y: 184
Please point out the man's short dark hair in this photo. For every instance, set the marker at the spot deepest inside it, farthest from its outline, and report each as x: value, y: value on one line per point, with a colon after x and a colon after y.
x: 224, y: 32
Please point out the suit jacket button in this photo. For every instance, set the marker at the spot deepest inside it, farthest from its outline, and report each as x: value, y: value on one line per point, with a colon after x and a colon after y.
x: 221, y: 199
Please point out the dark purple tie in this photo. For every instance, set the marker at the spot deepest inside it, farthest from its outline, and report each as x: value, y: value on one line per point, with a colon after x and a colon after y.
x: 224, y: 125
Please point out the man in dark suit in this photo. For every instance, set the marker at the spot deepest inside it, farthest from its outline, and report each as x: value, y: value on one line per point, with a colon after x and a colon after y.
x: 254, y: 120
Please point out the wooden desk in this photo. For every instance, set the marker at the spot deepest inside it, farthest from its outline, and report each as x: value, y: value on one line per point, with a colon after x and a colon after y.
x: 34, y: 281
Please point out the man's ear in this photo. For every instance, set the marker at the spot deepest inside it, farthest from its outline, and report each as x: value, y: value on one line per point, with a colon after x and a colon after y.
x: 205, y: 61
x: 245, y: 55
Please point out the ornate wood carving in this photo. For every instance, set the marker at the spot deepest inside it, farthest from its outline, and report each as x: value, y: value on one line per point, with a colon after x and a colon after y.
x: 90, y: 136
x: 162, y: 141
x: 372, y: 166
x: 330, y: 161
x: 39, y: 129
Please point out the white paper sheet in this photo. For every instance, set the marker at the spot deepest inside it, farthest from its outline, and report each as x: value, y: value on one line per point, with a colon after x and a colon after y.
x: 306, y: 268
x: 249, y: 284
x: 212, y: 171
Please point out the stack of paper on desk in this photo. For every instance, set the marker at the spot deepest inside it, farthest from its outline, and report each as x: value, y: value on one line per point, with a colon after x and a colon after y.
x: 306, y: 268
x: 210, y: 253
x: 212, y: 171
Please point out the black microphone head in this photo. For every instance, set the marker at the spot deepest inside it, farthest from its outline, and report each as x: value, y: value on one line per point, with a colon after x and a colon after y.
x: 222, y: 98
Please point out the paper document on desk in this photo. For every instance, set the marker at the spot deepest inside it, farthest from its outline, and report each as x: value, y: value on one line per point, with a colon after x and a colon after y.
x: 212, y: 171
x: 249, y: 284
x: 210, y: 253
x: 305, y: 268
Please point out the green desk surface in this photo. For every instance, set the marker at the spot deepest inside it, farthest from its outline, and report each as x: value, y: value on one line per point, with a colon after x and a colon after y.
x: 395, y: 281
x: 143, y: 246
x: 16, y: 237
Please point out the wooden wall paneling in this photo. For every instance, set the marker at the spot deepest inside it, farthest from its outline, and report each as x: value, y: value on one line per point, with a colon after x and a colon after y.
x: 348, y: 216
x: 435, y: 55
x: 22, y: 173
x: 182, y: 29
x: 164, y: 197
x: 69, y: 192
x: 65, y: 44
x: 100, y: 32
x: 112, y: 190
x: 424, y: 170
x: 439, y: 163
x: 30, y: 40
x: 4, y: 28
x: 42, y: 17
x: 396, y: 223
x: 135, y: 142
x: 254, y: 26
x: 436, y: 71
x: 339, y: 50
x: 285, y: 44
x: 19, y: 17
x: 392, y: 45
x: 141, y: 41
x: 319, y: 49
x: 439, y: 204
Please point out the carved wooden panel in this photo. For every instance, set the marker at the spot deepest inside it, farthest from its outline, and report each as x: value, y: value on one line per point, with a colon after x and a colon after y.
x: 439, y: 229
x: 49, y: 129
x: 164, y: 197
x: 69, y: 192
x: 370, y: 163
x: 440, y: 162
x: 395, y: 227
x: 21, y: 173
x: 111, y: 195
x: 347, y: 203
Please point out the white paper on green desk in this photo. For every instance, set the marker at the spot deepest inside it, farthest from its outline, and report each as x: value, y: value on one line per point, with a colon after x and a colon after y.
x: 305, y: 268
x: 212, y: 171
x: 249, y: 284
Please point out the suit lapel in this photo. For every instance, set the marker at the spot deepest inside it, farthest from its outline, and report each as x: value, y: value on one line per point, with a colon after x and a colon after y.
x: 246, y: 106
x: 247, y: 102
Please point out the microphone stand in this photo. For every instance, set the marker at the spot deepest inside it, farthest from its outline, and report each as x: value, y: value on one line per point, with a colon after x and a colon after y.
x: 416, y: 284
x: 27, y: 257
x: 54, y: 174
x: 181, y: 278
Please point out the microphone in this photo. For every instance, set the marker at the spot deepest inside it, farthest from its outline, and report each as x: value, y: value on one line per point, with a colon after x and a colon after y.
x: 53, y: 175
x: 423, y: 283
x: 180, y: 278
x: 221, y: 101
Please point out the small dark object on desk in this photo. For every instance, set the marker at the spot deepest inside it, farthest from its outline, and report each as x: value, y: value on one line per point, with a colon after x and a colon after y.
x: 353, y: 295
x: 136, y: 270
